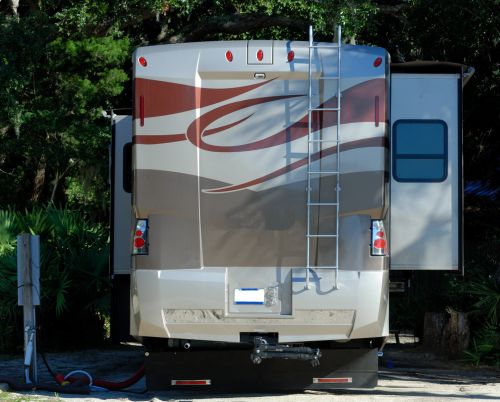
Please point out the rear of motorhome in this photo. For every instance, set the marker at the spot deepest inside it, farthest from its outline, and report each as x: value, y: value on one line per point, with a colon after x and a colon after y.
x: 274, y: 186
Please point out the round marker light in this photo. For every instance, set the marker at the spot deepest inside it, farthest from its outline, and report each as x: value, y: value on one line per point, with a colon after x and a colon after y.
x: 291, y: 56
x: 229, y: 56
x: 260, y: 54
x: 138, y: 233
x: 377, y: 62
x: 379, y: 243
x: 380, y: 234
x: 139, y: 242
x: 142, y: 61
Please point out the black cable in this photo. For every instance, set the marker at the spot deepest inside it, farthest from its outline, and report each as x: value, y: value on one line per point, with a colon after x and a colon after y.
x: 40, y: 343
x: 47, y: 364
x: 45, y: 387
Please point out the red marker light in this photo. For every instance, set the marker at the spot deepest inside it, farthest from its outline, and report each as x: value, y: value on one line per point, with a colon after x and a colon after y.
x: 142, y: 61
x: 139, y: 242
x: 377, y: 62
x: 260, y: 54
x: 380, y: 234
x: 229, y: 56
x: 138, y: 233
x: 291, y: 56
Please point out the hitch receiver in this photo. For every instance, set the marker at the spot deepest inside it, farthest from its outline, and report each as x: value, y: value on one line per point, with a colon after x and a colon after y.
x: 264, y: 350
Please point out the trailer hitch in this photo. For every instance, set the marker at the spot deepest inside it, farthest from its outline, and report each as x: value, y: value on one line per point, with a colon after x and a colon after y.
x: 265, y: 350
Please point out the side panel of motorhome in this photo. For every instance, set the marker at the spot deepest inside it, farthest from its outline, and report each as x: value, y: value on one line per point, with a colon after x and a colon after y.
x: 426, y: 179
x: 121, y: 194
x: 121, y: 214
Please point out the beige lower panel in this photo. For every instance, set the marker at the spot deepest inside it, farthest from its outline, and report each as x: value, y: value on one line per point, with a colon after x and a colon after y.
x: 303, y: 325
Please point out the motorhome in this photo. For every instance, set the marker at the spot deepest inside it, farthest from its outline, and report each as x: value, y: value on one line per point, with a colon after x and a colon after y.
x: 268, y: 188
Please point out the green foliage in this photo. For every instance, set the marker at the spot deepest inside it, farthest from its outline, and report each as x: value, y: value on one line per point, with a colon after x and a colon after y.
x: 485, y: 346
x: 53, y: 91
x: 74, y: 277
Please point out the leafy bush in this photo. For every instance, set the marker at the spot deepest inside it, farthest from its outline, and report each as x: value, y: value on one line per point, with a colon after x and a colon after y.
x: 477, y: 292
x: 74, y: 280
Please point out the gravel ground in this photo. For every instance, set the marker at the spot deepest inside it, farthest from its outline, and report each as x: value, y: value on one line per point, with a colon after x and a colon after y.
x: 406, y: 374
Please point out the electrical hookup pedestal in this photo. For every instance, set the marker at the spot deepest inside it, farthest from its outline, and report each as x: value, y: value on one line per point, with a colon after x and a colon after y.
x: 28, y: 296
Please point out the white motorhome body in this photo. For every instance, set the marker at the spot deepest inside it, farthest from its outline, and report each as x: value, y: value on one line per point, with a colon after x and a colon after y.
x: 269, y: 212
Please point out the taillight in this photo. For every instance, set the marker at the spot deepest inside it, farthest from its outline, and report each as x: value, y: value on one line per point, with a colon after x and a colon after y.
x: 379, y: 240
x: 140, y: 246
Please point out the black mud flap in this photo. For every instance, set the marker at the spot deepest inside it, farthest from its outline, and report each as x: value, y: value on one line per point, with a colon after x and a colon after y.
x: 232, y: 370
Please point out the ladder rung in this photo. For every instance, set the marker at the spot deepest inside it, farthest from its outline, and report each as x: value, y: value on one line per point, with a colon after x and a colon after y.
x: 329, y: 46
x: 323, y: 203
x: 322, y: 235
x: 323, y: 266
x: 324, y: 141
x: 327, y: 78
x: 324, y: 109
x: 322, y: 172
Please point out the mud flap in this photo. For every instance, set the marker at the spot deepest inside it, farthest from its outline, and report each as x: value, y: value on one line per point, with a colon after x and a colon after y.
x: 232, y: 370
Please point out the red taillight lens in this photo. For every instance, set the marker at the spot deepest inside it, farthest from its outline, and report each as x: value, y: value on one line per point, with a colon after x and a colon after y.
x: 142, y: 61
x: 378, y: 240
x: 291, y: 56
x: 140, y: 243
x: 377, y: 62
x: 260, y: 54
x: 229, y: 56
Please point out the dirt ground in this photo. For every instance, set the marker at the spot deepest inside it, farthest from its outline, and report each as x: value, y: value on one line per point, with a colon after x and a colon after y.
x: 406, y: 374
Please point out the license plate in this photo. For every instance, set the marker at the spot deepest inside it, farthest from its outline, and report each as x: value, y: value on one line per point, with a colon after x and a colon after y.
x: 249, y: 296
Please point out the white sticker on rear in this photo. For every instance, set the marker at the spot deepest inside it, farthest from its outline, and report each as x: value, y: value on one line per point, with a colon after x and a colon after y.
x: 249, y: 296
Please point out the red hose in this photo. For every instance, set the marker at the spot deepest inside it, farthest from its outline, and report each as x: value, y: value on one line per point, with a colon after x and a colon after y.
x: 107, y: 384
x: 121, y: 384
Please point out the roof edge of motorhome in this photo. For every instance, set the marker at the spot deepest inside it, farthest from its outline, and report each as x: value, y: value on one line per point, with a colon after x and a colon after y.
x: 436, y: 67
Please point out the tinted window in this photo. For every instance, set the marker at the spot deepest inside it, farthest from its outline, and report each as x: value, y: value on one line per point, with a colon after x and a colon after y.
x: 127, y: 167
x: 420, y: 150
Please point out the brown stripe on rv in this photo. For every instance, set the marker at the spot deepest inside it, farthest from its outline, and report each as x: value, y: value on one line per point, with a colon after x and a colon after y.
x: 196, y: 129
x: 157, y: 139
x: 357, y: 107
x: 164, y: 98
x: 363, y: 143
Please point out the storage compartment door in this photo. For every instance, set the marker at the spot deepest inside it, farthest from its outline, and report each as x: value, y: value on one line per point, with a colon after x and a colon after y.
x: 426, y: 172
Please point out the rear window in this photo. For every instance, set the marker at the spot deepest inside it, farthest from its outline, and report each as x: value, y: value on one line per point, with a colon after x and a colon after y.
x: 420, y: 151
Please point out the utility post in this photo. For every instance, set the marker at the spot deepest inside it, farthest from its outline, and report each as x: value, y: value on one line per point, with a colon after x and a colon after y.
x: 28, y: 296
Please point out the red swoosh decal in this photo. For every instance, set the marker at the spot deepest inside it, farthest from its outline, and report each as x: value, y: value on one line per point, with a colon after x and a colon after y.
x: 196, y: 129
x: 165, y: 139
x: 158, y: 139
x: 363, y: 143
x: 165, y: 98
x: 358, y: 105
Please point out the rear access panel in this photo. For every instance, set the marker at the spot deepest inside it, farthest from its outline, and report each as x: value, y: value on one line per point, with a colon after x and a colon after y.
x: 232, y: 370
x: 259, y: 291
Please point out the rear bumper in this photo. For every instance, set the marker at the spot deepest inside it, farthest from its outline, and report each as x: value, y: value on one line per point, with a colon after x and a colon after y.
x: 197, y: 304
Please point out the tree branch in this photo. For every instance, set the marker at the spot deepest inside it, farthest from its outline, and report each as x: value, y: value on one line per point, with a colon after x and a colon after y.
x: 236, y: 24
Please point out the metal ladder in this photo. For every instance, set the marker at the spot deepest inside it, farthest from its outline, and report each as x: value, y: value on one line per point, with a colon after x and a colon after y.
x: 311, y: 149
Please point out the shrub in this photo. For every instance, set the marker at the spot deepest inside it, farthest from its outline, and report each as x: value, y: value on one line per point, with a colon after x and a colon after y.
x: 74, y: 278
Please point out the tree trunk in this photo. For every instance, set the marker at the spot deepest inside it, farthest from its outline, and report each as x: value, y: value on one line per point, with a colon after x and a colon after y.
x: 39, y: 181
x: 446, y: 333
